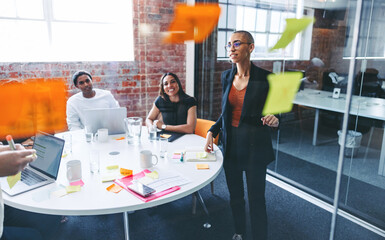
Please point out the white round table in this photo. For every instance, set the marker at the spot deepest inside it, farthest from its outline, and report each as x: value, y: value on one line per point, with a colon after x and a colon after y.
x: 94, y: 199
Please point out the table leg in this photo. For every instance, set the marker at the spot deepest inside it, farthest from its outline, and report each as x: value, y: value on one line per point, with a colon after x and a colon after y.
x: 315, y: 131
x: 200, y: 199
x: 126, y: 225
x: 381, y: 167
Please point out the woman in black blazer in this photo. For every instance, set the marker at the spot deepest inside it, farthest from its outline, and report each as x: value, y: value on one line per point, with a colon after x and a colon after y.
x: 246, y: 136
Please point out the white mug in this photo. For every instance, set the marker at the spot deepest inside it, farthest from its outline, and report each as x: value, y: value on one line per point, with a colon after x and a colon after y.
x: 74, y: 170
x: 102, y: 135
x: 146, y: 159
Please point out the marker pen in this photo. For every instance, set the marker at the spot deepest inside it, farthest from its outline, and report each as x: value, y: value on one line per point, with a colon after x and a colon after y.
x: 11, y: 143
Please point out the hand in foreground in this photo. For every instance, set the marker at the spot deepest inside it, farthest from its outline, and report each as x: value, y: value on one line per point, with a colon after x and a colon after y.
x: 209, y: 146
x: 270, y: 120
x: 12, y: 162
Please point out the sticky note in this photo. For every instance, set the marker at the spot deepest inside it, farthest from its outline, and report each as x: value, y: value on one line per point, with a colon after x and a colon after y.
x: 114, y: 188
x: 293, y: 27
x: 80, y: 183
x: 112, y: 167
x: 153, y: 175
x: 282, y: 90
x: 72, y: 189
x: 193, y: 22
x: 125, y: 172
x: 12, y: 180
x: 165, y: 135
x: 201, y: 155
x: 41, y: 104
x: 121, y: 138
x: 176, y: 156
x: 58, y: 193
x: 201, y: 166
x: 108, y: 178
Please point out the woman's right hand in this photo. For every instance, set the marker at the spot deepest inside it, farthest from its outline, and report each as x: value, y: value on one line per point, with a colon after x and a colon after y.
x: 209, y: 147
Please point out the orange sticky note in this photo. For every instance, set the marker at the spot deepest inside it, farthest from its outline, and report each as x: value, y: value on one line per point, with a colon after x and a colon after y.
x: 193, y: 22
x: 121, y: 138
x: 114, y: 188
x: 202, y: 166
x: 32, y: 104
x: 125, y: 172
x: 165, y: 135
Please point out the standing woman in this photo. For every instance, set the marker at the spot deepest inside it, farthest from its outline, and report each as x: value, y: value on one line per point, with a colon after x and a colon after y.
x: 173, y: 110
x: 246, y: 136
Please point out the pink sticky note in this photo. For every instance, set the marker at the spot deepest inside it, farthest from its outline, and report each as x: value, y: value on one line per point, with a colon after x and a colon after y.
x: 80, y: 183
x: 176, y: 156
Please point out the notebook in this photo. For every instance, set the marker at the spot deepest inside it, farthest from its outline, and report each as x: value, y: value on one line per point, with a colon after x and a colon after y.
x: 110, y: 118
x: 43, y: 170
x: 174, y: 135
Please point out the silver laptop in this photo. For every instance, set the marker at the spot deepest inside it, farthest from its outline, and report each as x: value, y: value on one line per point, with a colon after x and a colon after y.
x: 43, y: 170
x: 110, y: 118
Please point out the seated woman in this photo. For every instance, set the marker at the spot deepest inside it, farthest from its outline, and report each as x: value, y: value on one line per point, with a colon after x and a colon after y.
x: 173, y: 110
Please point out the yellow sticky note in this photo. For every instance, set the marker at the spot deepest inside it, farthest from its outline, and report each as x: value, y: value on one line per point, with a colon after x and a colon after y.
x: 114, y: 188
x: 125, y: 172
x: 201, y: 155
x: 153, y: 175
x: 72, y: 189
x: 58, y: 193
x: 165, y: 135
x: 201, y: 166
x: 108, y: 178
x: 293, y: 27
x: 112, y: 167
x: 282, y: 90
x: 12, y: 180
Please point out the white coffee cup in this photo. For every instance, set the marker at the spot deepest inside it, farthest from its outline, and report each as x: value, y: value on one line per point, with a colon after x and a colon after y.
x: 74, y: 170
x: 146, y: 159
x: 102, y: 135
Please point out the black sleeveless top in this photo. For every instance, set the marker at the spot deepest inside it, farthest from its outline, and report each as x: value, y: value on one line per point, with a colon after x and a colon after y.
x: 175, y: 113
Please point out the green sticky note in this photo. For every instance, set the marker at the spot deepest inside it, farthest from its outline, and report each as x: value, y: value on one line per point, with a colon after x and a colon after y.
x: 293, y: 27
x: 282, y: 90
x: 112, y: 167
x: 201, y: 155
x: 71, y: 189
x: 12, y: 180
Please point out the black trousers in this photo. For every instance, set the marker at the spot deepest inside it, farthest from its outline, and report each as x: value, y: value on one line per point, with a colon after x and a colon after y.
x: 256, y: 184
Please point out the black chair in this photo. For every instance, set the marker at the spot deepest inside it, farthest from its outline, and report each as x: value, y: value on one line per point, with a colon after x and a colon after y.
x: 370, y: 82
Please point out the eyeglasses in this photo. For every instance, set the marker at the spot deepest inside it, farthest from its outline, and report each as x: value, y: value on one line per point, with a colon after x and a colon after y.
x: 235, y: 44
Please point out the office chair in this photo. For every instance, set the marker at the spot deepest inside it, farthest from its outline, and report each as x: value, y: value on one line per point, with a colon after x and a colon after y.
x: 371, y: 83
x: 201, y: 129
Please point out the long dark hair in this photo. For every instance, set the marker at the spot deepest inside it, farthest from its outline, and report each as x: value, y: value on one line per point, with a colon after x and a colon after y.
x: 181, y: 93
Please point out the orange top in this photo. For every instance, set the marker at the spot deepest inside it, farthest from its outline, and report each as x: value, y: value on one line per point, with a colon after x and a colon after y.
x: 236, y: 98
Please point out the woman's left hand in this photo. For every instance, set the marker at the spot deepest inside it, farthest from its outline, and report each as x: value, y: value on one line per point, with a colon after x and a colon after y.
x: 270, y: 120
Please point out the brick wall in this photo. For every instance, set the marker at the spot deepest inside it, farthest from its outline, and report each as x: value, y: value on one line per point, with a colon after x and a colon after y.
x: 134, y: 84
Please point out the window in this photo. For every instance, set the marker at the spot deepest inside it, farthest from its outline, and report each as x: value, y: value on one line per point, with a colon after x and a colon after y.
x: 266, y: 22
x: 66, y: 30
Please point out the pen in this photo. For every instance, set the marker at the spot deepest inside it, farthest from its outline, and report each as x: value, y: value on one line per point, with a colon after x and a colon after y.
x: 181, y: 156
x: 11, y: 143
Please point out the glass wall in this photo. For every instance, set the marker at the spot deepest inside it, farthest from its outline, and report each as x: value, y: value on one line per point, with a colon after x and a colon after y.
x: 342, y: 58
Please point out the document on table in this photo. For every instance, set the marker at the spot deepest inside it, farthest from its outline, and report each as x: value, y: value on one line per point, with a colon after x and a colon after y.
x: 165, y: 181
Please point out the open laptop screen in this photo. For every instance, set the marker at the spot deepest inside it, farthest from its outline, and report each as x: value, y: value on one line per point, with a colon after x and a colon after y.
x: 49, y: 151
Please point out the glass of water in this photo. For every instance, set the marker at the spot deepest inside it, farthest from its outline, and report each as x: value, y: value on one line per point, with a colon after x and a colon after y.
x: 152, y: 133
x: 163, y: 142
x: 94, y: 161
x: 68, y: 144
x: 133, y: 129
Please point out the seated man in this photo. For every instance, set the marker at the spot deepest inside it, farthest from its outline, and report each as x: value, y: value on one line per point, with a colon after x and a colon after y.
x: 86, y: 99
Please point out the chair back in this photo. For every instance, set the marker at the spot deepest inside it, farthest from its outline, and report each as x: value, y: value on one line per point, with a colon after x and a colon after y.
x: 203, y: 126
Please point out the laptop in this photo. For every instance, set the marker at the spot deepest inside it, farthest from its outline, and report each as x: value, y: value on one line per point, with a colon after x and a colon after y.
x: 110, y: 118
x: 44, y: 170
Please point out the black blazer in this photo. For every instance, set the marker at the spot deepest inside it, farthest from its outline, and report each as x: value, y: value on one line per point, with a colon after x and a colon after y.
x: 255, y: 145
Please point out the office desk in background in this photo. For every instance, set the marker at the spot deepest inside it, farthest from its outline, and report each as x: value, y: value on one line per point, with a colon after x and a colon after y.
x: 368, y: 107
x: 94, y: 199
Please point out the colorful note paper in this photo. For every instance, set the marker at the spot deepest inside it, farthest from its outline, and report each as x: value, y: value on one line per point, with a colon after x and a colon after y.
x: 165, y: 135
x: 282, y: 90
x: 108, y: 178
x: 80, y: 183
x: 114, y: 188
x: 12, y: 180
x: 31, y: 105
x: 72, y: 189
x: 201, y: 155
x: 59, y: 193
x: 293, y: 27
x: 202, y: 166
x: 125, y: 172
x: 176, y: 156
x: 153, y: 175
x: 193, y: 22
x: 112, y: 167
x: 121, y: 138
